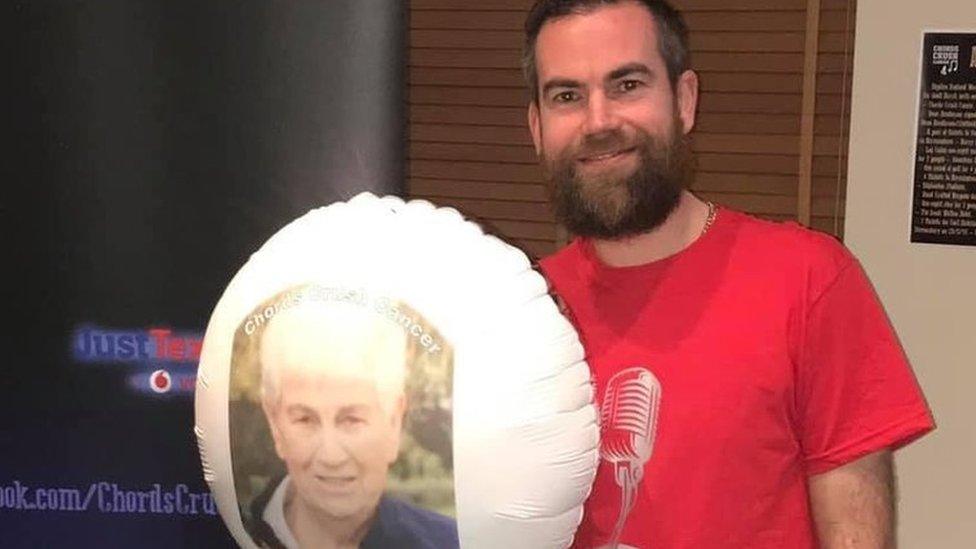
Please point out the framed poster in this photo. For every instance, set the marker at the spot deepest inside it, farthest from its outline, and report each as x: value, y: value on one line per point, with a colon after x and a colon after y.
x: 944, y: 195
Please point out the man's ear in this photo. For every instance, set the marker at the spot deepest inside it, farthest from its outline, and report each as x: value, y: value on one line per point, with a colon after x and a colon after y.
x: 535, y: 126
x: 686, y: 92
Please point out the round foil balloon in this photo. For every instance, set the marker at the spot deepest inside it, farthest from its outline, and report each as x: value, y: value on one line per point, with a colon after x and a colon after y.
x: 383, y: 374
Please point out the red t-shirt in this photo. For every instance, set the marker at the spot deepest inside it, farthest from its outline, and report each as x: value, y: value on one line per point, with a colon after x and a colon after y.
x: 755, y: 357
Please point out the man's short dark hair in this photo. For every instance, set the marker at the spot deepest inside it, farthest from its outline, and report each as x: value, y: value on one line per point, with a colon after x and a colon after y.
x: 671, y: 29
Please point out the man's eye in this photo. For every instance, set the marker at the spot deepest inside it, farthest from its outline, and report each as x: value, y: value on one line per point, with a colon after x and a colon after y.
x: 565, y: 97
x: 629, y: 85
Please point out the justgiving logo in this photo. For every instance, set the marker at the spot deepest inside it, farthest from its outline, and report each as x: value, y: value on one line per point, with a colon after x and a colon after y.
x: 93, y: 344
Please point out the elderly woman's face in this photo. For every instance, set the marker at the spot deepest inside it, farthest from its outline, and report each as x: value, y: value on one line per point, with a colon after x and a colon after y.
x: 337, y: 440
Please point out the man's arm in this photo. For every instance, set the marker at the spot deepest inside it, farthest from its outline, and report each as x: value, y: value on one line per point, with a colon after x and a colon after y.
x: 853, y: 505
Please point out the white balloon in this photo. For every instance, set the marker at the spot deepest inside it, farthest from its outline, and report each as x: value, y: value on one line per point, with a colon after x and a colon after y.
x: 525, y: 432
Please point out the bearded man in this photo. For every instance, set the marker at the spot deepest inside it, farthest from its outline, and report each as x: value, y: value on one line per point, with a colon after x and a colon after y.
x: 752, y: 389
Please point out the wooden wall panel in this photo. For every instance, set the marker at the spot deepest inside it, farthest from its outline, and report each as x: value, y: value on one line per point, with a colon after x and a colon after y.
x: 469, y: 146
x: 834, y: 82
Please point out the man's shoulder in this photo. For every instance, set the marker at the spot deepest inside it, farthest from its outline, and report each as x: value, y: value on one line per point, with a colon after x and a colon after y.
x: 785, y: 244
x: 566, y: 258
x: 565, y: 269
x: 772, y: 231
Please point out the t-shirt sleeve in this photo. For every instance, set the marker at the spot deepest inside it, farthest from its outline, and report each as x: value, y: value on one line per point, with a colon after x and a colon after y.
x: 856, y: 393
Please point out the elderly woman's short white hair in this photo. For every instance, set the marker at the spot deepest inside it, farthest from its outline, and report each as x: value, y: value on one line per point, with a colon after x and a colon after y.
x: 339, y: 338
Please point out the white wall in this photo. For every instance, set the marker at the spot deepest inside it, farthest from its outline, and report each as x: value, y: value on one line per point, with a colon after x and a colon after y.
x: 928, y: 290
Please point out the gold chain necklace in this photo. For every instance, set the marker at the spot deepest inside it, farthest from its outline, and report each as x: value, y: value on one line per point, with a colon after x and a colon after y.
x: 712, y: 214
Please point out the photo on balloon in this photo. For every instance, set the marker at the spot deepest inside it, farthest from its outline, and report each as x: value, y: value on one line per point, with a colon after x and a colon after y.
x: 340, y: 414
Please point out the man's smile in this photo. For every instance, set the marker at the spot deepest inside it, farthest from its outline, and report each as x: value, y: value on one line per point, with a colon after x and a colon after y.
x: 606, y: 157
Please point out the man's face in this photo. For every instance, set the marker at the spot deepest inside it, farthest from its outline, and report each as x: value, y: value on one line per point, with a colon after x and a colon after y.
x: 336, y: 440
x: 607, y: 124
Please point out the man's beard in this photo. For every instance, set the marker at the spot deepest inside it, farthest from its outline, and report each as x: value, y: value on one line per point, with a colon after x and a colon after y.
x: 613, y: 206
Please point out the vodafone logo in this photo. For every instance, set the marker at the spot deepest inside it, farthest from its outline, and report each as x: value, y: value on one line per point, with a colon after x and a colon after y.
x: 163, y: 383
x: 160, y: 381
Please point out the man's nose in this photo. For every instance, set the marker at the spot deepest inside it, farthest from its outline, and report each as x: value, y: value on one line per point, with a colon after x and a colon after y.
x: 600, y: 116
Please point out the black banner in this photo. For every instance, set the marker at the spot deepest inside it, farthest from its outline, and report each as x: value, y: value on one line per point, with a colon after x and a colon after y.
x: 944, y: 198
x: 154, y: 146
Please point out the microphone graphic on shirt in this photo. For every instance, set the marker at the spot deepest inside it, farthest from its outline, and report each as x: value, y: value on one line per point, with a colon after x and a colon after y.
x: 628, y: 418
